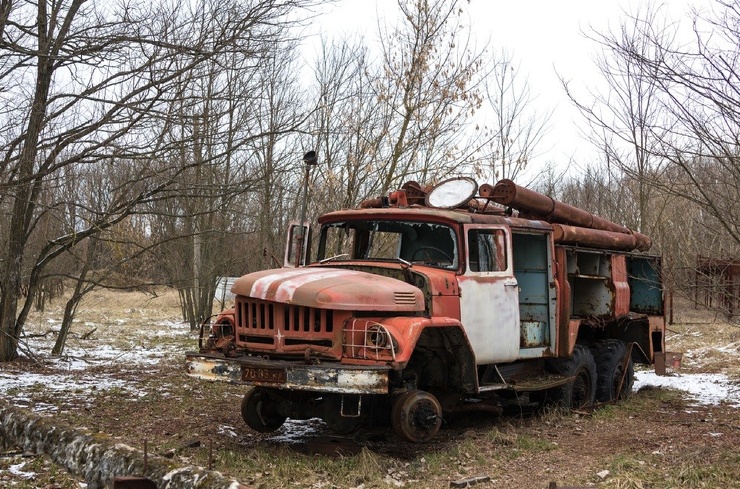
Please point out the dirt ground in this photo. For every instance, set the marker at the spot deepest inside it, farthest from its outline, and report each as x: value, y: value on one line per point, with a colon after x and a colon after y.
x: 659, y: 438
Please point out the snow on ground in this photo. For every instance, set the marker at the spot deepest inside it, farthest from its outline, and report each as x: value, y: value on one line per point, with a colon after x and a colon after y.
x: 67, y: 376
x: 63, y: 386
x: 135, y: 349
x: 17, y: 470
x: 297, y: 430
x: 703, y: 388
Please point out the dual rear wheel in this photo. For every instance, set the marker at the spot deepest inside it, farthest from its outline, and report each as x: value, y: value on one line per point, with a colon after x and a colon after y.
x: 602, y: 373
x: 616, y: 373
x: 581, y: 392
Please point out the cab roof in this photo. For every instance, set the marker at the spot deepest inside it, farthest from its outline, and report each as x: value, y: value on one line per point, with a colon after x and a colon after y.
x: 423, y: 213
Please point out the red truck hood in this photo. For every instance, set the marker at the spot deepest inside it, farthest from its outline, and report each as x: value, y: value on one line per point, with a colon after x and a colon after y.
x: 331, y: 288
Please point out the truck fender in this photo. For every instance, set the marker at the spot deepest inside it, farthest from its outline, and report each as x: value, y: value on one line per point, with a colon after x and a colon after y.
x: 440, y: 357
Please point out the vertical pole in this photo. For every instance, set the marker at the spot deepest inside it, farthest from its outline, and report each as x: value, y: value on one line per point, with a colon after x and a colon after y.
x: 696, y: 283
x: 310, y: 159
x: 300, y: 236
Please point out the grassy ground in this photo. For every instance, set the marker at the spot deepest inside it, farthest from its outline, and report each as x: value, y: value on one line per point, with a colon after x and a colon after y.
x: 657, y: 439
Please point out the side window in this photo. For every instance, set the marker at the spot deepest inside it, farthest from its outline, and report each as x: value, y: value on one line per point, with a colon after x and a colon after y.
x: 486, y: 250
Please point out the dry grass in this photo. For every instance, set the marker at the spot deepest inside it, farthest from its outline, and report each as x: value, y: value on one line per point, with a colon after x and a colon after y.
x: 709, y: 341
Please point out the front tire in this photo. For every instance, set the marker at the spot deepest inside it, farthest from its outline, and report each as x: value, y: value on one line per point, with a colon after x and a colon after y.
x: 581, y: 392
x: 416, y: 416
x: 260, y: 410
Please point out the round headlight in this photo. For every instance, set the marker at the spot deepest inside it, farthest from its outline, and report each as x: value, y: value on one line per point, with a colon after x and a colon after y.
x: 376, y: 336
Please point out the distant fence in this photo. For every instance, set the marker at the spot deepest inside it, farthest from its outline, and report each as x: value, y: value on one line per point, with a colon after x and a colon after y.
x: 717, y: 283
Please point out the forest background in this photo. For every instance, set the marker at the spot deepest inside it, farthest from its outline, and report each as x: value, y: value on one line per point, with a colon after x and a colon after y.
x: 160, y: 143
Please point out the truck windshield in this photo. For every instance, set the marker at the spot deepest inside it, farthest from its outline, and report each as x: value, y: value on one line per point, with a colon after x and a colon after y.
x: 415, y: 242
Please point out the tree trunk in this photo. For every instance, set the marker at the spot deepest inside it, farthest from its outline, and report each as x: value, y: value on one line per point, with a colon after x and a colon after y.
x: 96, y: 457
x: 69, y: 312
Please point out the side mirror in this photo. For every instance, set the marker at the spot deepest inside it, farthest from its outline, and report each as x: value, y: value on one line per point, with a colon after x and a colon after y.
x: 298, y: 243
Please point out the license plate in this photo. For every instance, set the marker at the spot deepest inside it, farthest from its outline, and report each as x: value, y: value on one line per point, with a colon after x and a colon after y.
x: 277, y: 375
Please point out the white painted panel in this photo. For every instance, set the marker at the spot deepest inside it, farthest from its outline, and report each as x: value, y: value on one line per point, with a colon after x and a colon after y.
x: 489, y: 307
x: 489, y: 311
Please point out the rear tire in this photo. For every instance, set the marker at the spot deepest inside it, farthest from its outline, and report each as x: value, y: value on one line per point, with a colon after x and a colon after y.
x: 609, y: 356
x: 581, y: 392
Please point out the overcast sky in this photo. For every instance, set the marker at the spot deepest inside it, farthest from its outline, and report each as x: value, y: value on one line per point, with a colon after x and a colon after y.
x: 544, y: 36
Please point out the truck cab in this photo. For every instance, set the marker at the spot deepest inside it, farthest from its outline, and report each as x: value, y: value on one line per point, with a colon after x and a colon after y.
x: 409, y: 312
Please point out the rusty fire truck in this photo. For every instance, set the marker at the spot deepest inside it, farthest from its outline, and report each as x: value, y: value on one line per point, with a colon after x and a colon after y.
x: 429, y: 301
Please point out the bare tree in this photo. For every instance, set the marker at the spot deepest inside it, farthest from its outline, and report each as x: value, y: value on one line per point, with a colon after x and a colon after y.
x: 517, y: 128
x: 408, y: 115
x: 669, y: 127
x: 275, y: 151
x: 430, y: 85
x: 348, y: 127
x: 87, y: 84
x: 626, y: 120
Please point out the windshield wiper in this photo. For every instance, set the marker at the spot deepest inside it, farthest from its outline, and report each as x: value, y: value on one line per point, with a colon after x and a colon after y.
x: 332, y: 258
x: 404, y: 262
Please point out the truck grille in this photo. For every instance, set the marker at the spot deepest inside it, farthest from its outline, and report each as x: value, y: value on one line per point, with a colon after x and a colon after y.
x: 284, y: 328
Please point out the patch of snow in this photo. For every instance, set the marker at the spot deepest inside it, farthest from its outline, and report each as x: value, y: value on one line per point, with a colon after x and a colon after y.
x: 62, y: 385
x: 732, y: 348
x: 697, y: 355
x: 16, y: 470
x: 297, y: 430
x: 110, y: 360
x: 703, y: 388
x: 227, y: 430
x: 169, y: 328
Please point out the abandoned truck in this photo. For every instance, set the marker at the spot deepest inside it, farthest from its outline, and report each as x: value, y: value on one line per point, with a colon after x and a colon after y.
x: 420, y: 304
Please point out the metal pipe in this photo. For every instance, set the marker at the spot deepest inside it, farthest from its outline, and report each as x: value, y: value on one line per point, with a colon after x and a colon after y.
x: 597, y: 238
x: 540, y: 206
x: 310, y: 159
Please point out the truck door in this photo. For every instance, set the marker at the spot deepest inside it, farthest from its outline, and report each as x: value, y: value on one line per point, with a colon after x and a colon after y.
x: 489, y: 302
x: 532, y: 256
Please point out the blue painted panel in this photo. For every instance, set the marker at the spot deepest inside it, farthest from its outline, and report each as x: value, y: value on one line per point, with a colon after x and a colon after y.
x: 646, y: 291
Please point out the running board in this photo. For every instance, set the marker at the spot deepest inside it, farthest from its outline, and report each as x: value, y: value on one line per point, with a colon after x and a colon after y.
x: 537, y: 383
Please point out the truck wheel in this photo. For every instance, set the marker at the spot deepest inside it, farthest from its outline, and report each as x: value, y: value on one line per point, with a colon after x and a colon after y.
x: 580, y: 393
x: 260, y: 411
x: 609, y: 356
x: 416, y: 416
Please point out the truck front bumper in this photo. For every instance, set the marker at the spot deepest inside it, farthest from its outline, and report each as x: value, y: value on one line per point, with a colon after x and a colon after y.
x: 280, y: 374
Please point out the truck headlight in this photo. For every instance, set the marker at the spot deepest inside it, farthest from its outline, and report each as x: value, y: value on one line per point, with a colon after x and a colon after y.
x: 377, y: 337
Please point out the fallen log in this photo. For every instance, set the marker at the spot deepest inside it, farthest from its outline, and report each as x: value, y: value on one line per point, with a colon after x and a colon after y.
x: 96, y: 457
